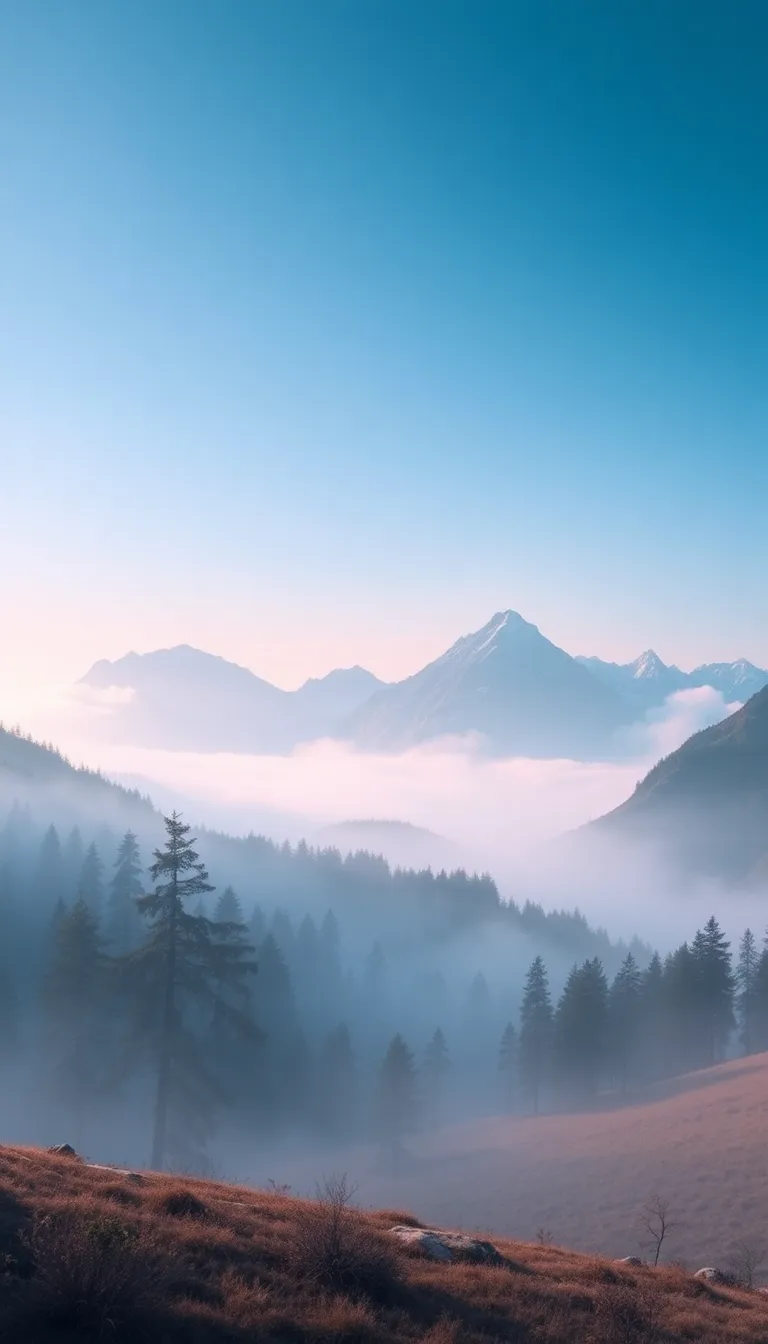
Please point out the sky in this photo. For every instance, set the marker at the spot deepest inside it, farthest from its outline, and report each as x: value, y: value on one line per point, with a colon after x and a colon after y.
x: 330, y: 327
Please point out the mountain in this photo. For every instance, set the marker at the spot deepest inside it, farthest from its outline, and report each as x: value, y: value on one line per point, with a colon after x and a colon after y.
x: 401, y: 843
x: 34, y: 770
x: 707, y: 803
x: 736, y: 681
x: 647, y: 681
x: 183, y: 699
x: 507, y: 682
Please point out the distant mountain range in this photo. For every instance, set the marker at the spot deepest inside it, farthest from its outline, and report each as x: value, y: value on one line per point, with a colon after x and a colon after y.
x: 185, y: 700
x: 648, y: 681
x: 506, y: 683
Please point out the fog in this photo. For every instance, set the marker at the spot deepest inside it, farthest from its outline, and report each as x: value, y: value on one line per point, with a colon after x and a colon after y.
x: 351, y: 955
x: 501, y: 816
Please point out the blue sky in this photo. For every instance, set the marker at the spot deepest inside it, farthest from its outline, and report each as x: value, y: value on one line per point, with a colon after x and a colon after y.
x: 329, y: 328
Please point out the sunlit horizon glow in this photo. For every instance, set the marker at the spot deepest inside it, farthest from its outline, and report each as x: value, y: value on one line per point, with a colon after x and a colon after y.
x: 329, y: 331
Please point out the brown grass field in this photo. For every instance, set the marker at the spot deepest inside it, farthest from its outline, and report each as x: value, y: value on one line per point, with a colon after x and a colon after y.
x: 701, y: 1141
x: 88, y: 1255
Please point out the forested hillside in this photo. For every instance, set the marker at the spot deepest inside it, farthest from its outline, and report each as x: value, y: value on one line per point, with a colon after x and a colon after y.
x: 320, y: 998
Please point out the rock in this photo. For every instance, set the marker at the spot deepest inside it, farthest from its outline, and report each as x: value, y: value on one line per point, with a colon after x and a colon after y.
x: 117, y: 1171
x: 712, y: 1275
x: 633, y: 1260
x: 447, y: 1246
x: 63, y: 1150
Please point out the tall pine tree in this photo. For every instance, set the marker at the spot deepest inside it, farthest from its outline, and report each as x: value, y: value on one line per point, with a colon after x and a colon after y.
x: 624, y: 1020
x: 90, y: 888
x: 434, y: 1071
x: 535, y: 1033
x: 124, y: 890
x: 180, y: 971
x: 746, y: 985
x: 509, y: 1063
x: 75, y: 1016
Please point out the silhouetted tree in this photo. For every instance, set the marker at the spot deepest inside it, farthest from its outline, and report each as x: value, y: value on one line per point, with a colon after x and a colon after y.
x: 715, y: 981
x: 434, y: 1070
x: 228, y: 909
x: 396, y: 1097
x: 580, y: 1030
x: 90, y: 888
x: 180, y: 971
x: 746, y: 984
x: 124, y: 890
x: 74, y: 1009
x: 624, y: 1019
x: 536, y: 1024
x: 338, y: 1086
x: 49, y: 878
x: 509, y: 1063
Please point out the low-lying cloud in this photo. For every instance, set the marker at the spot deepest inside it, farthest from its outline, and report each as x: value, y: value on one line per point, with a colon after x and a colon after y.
x: 500, y: 814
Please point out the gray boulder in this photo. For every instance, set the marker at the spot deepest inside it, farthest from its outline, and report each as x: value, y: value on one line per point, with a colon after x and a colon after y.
x: 711, y: 1275
x: 448, y: 1246
x: 63, y: 1150
x: 633, y: 1260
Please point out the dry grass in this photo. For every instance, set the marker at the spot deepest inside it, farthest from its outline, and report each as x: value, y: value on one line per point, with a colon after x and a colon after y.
x: 699, y: 1140
x: 212, y: 1264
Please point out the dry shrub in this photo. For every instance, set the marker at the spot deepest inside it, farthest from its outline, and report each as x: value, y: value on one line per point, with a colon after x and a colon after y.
x: 445, y: 1331
x: 627, y: 1314
x: 179, y: 1202
x: 339, y: 1318
x: 95, y: 1275
x: 119, y: 1194
x: 336, y: 1249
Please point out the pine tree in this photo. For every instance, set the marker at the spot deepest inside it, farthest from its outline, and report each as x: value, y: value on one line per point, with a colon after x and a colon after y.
x: 651, y: 1045
x: 711, y: 952
x: 396, y: 1098
x: 536, y: 1023
x: 228, y: 909
x: 509, y: 1063
x: 338, y: 1086
x: 180, y: 971
x: 49, y: 877
x: 257, y: 927
x: 580, y: 1030
x: 72, y: 859
x: 746, y: 983
x: 434, y: 1071
x: 74, y: 1004
x: 90, y: 888
x: 124, y: 891
x: 624, y: 1019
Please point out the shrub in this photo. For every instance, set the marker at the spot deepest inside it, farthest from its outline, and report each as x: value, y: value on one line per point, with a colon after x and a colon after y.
x: 180, y: 1202
x: 627, y: 1314
x: 337, y: 1250
x: 94, y: 1275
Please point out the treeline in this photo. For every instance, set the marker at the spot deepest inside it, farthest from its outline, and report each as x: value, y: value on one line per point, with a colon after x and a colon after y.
x: 160, y: 1012
x: 687, y: 1012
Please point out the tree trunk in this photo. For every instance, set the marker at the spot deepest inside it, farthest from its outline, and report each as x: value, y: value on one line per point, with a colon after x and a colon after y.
x: 159, y: 1139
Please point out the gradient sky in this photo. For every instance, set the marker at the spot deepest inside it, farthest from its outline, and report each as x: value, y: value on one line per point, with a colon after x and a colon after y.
x: 329, y: 328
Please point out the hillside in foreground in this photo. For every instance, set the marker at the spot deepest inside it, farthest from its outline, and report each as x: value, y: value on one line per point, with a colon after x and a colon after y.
x: 699, y: 1140
x: 90, y: 1254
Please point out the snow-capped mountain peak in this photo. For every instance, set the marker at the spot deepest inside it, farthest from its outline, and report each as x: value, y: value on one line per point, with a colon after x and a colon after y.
x: 648, y: 665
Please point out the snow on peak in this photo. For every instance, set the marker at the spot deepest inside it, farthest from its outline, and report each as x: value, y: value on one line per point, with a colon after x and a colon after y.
x: 648, y: 664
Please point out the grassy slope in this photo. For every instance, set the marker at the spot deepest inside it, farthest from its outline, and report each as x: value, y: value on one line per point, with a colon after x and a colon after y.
x: 699, y: 1140
x: 227, y: 1266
